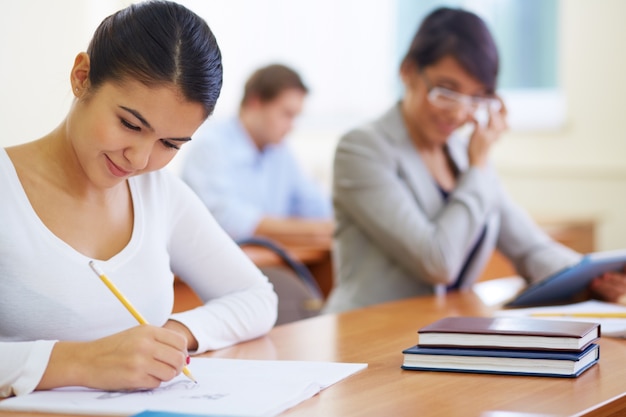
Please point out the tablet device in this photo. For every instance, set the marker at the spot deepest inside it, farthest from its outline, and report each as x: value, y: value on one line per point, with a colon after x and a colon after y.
x: 564, y: 285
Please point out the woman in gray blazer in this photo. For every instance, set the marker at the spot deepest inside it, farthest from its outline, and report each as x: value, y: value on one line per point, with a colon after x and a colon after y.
x: 418, y: 206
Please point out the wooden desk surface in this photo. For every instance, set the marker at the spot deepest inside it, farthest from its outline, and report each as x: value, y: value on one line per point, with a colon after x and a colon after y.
x: 378, y: 334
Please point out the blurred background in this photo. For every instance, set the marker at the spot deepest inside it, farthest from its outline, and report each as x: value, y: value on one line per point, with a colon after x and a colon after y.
x: 562, y: 78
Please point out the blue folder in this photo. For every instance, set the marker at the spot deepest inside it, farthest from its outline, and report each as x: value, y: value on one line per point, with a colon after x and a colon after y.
x: 150, y: 413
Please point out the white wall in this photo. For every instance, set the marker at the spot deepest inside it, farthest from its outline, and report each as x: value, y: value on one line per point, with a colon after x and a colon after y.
x: 343, y: 48
x: 38, y: 42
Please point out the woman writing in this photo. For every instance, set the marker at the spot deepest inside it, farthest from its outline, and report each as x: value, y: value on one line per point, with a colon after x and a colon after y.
x: 416, y: 205
x: 92, y: 189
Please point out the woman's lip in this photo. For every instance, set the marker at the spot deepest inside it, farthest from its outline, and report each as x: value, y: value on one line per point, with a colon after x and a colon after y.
x: 116, y: 170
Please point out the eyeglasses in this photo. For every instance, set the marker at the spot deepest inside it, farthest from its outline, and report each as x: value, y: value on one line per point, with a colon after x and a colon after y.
x: 444, y: 98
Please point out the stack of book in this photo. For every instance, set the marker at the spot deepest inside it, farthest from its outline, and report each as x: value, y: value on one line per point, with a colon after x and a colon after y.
x: 505, y: 345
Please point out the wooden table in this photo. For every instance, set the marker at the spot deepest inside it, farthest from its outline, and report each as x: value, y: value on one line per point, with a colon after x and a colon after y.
x: 378, y: 334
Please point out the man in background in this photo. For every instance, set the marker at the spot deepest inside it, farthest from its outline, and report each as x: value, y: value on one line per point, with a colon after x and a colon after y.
x: 244, y: 172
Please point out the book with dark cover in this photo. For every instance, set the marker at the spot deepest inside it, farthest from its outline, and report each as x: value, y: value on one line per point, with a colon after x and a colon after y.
x: 501, y: 361
x: 509, y: 333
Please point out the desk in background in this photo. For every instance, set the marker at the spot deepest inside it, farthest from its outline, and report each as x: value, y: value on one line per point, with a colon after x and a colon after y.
x: 316, y: 258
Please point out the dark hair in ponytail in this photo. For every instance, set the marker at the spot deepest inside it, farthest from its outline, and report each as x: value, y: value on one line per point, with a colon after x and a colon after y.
x: 156, y: 43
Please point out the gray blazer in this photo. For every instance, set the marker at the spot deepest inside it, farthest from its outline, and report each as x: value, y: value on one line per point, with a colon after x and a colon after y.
x: 397, y: 237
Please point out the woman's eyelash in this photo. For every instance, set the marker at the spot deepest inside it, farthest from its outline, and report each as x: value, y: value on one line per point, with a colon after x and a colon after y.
x: 168, y: 144
x: 129, y: 125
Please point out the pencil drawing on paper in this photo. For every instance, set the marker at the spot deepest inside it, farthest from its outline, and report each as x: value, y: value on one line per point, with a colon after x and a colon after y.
x: 174, y: 386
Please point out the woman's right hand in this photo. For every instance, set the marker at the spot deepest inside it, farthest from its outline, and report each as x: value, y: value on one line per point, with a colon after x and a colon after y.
x: 138, y: 358
x: 484, y: 136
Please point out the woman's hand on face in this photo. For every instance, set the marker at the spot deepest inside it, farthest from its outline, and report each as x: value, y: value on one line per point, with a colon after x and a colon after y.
x: 138, y: 358
x: 484, y: 136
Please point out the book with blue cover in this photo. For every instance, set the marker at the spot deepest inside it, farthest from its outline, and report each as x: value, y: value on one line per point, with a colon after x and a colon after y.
x: 501, y: 361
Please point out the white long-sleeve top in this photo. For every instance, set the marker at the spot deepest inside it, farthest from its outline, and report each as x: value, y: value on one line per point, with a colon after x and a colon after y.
x: 48, y: 291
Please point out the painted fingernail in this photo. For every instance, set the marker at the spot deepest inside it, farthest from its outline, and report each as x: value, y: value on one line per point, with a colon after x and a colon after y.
x: 188, y: 359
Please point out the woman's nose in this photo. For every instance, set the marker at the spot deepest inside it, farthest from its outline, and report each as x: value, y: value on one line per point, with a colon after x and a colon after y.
x: 139, y: 154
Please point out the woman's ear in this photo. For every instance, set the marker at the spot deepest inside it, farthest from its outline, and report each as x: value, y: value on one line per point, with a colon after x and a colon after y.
x: 79, y: 76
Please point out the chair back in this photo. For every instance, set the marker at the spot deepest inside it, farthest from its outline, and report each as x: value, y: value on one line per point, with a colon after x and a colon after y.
x: 299, y: 295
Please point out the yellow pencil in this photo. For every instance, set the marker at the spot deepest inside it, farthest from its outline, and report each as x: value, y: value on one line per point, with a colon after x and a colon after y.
x: 607, y: 315
x: 128, y: 305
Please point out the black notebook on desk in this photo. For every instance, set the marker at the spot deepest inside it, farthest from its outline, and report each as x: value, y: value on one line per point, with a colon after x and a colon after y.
x: 563, y: 286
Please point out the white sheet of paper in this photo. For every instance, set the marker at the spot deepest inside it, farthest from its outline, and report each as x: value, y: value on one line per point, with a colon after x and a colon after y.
x: 237, y: 387
x: 610, y: 327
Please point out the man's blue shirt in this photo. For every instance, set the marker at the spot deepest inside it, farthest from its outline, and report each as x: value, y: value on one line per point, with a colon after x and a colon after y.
x: 241, y: 184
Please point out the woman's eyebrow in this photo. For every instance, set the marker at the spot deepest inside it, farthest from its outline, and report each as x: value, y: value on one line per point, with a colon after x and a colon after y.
x: 138, y: 116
